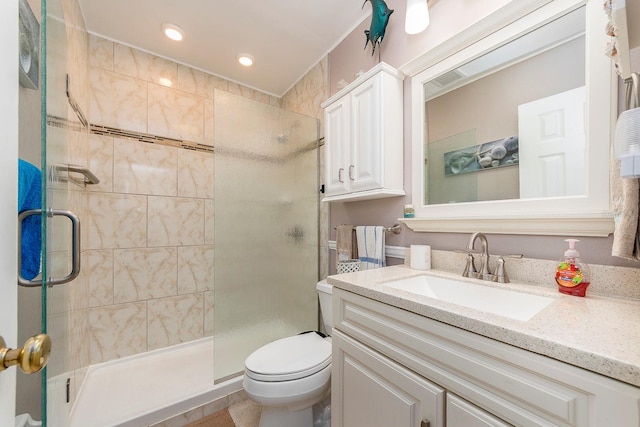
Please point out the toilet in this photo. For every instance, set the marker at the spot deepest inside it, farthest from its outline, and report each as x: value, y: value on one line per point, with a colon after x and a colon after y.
x: 290, y: 375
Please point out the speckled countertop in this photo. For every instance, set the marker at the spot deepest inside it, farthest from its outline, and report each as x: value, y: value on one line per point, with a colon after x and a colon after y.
x: 595, y: 333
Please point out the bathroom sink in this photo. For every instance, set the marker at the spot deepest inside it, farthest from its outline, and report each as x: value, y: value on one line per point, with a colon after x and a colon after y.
x: 503, y: 302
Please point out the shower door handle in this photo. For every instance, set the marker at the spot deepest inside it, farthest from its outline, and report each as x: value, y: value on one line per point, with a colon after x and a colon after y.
x: 75, y: 248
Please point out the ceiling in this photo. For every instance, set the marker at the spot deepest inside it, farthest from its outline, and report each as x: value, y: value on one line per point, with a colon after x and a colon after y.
x: 286, y: 38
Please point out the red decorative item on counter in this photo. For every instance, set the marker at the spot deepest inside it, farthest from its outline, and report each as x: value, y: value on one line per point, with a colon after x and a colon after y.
x: 572, y: 275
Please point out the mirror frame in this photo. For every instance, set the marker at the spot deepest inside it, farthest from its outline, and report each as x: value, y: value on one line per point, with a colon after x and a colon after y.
x: 588, y: 215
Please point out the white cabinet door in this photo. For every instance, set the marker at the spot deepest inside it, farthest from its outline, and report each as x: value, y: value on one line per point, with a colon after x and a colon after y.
x: 364, y: 138
x: 337, y: 147
x: 368, y: 389
x: 366, y: 168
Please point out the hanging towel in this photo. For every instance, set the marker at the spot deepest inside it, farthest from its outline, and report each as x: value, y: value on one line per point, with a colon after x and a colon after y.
x: 626, y: 206
x: 370, y: 246
x: 30, y: 197
x: 625, y: 195
x: 346, y: 243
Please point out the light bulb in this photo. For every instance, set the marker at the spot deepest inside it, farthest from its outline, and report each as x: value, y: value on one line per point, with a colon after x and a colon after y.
x: 245, y: 59
x: 417, y: 16
x: 173, y: 31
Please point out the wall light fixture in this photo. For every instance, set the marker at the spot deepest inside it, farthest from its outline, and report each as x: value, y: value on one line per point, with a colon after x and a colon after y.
x: 417, y: 16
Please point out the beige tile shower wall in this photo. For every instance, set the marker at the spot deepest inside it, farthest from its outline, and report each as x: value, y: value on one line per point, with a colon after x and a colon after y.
x: 150, y: 228
x: 150, y: 263
x: 68, y: 304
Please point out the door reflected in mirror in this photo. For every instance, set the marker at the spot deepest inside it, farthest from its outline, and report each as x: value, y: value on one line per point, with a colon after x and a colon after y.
x: 510, y: 124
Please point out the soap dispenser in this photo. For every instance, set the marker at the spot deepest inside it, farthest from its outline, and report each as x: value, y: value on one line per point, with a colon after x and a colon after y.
x: 572, y: 274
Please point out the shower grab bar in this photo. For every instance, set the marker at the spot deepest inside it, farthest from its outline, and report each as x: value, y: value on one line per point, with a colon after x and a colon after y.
x: 75, y: 106
x: 89, y: 178
x: 75, y: 248
x: 395, y: 228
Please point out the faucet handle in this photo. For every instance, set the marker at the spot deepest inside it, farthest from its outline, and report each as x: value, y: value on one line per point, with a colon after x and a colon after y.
x: 501, y: 272
x: 470, y: 267
x: 507, y: 256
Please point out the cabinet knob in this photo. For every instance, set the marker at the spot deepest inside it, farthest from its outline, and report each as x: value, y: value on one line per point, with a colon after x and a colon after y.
x: 425, y: 423
x: 340, y: 174
x: 351, y: 168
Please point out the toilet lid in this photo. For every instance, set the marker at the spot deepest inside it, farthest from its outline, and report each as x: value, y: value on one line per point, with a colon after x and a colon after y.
x: 289, y: 358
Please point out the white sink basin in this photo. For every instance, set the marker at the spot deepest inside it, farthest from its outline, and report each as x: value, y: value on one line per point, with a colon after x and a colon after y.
x: 512, y: 304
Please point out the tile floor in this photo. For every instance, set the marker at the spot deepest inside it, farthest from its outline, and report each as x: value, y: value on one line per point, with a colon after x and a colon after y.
x: 245, y: 413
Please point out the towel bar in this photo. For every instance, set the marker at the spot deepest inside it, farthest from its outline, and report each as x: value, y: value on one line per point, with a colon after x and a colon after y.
x: 395, y: 228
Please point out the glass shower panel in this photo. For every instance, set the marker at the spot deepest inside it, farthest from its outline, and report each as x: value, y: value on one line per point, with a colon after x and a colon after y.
x: 445, y: 183
x: 266, y: 228
x: 60, y: 127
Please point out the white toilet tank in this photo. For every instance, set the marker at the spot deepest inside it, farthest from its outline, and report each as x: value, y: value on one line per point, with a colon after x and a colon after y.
x: 325, y: 291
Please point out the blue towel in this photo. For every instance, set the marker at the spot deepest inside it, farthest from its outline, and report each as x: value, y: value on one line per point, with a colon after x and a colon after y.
x: 30, y: 197
x: 371, y: 243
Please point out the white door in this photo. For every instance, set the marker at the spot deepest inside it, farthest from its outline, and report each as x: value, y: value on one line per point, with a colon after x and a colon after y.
x: 8, y: 200
x: 552, y: 145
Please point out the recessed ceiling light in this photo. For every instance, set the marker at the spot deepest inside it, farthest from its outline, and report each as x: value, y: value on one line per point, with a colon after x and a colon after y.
x: 173, y: 31
x: 245, y: 59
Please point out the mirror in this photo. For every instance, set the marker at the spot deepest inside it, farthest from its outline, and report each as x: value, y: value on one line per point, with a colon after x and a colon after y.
x: 483, y: 141
x: 511, y: 133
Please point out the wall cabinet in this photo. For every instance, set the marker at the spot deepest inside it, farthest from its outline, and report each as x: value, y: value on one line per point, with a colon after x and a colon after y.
x: 395, y: 368
x: 364, y: 138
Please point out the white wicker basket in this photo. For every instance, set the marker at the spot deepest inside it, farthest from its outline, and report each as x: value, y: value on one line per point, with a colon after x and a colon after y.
x: 348, y: 266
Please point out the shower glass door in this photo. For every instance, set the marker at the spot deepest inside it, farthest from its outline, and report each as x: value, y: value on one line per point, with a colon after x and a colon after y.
x: 55, y: 136
x: 64, y: 142
x: 266, y: 228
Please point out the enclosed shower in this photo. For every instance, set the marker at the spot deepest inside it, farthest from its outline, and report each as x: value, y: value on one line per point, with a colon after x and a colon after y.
x: 203, y: 226
x: 266, y: 227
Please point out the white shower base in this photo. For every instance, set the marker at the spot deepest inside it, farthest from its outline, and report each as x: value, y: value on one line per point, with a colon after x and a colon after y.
x: 148, y: 388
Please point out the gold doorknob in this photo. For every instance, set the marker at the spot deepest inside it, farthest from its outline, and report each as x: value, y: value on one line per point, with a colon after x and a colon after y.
x: 31, y: 357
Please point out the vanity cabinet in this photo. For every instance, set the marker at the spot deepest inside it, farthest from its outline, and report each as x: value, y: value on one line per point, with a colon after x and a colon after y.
x: 395, y: 368
x: 461, y: 413
x: 364, y: 138
x: 376, y: 391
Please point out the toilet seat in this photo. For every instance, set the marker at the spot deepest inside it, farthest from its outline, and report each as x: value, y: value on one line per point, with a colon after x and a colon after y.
x: 289, y: 358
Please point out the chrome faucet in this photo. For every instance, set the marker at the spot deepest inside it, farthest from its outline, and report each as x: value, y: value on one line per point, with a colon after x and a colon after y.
x: 500, y: 274
x: 470, y: 271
